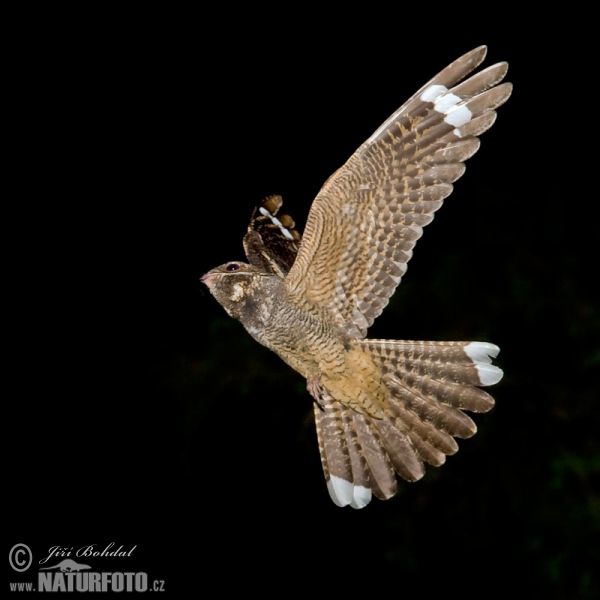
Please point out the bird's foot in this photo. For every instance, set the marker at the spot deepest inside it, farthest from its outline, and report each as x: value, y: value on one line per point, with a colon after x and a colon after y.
x: 315, y: 389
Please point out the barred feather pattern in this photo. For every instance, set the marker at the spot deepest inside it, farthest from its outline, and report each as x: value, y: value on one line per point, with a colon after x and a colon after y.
x: 429, y: 385
x: 383, y: 408
x: 367, y: 218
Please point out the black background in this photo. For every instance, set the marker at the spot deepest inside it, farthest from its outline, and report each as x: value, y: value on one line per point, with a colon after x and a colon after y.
x: 139, y: 413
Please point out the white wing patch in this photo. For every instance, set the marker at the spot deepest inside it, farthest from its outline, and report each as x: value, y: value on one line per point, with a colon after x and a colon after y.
x: 276, y: 221
x: 447, y: 104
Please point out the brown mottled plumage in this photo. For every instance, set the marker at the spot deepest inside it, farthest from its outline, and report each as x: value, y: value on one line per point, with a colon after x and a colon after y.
x: 382, y: 407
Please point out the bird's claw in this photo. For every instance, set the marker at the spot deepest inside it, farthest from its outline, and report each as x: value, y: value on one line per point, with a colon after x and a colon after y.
x: 315, y: 389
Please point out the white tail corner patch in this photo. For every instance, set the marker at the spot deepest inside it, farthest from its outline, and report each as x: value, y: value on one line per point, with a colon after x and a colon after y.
x: 481, y: 353
x: 340, y: 490
x: 489, y: 374
x: 362, y: 497
x: 344, y: 493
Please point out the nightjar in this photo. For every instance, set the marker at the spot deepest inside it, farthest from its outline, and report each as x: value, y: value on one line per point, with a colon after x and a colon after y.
x: 382, y: 407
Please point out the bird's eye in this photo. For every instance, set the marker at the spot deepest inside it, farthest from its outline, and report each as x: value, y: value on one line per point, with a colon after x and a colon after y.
x: 232, y: 267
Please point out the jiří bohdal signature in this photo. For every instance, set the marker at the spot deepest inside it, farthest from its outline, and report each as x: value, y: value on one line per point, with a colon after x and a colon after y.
x: 91, y: 550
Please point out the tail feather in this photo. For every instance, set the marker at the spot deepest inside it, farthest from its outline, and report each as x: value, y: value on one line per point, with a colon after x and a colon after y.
x: 430, y: 365
x: 413, y: 392
x: 334, y: 453
x: 428, y: 384
x: 361, y: 493
x: 380, y: 469
x: 417, y: 429
x: 459, y: 397
x: 403, y: 456
x: 426, y: 452
x: 354, y: 461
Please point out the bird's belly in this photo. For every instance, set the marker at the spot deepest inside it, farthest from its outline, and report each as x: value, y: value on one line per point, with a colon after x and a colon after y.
x: 310, y: 356
x: 359, y: 385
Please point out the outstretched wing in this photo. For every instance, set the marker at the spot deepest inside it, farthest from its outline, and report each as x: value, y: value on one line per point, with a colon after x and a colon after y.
x: 271, y: 242
x: 366, y: 219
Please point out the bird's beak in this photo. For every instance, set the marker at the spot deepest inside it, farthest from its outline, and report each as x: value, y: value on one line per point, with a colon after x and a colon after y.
x: 207, y: 278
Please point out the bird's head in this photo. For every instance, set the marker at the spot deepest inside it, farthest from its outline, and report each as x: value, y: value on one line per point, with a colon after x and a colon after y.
x: 236, y: 285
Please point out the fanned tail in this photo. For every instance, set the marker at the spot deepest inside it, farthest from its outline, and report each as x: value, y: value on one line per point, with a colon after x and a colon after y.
x: 429, y: 385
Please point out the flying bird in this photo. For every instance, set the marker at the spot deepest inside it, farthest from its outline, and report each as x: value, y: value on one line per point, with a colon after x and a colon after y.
x: 382, y: 407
